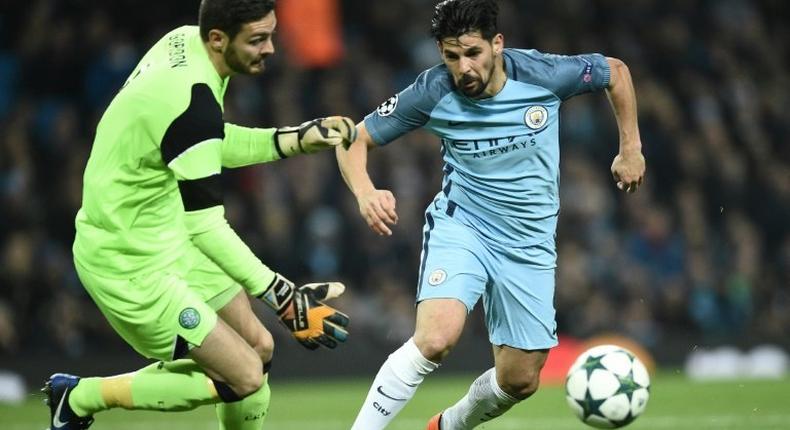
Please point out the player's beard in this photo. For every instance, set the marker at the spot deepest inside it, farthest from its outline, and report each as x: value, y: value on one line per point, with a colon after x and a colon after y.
x: 480, y: 86
x: 238, y: 66
x: 474, y: 91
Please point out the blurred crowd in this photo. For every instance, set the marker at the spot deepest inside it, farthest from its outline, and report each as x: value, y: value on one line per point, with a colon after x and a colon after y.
x: 702, y: 249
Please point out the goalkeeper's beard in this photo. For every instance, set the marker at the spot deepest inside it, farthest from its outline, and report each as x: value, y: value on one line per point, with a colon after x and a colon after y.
x: 238, y: 66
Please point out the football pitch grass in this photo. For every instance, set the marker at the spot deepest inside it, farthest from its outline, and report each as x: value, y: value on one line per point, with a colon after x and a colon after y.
x: 675, y: 403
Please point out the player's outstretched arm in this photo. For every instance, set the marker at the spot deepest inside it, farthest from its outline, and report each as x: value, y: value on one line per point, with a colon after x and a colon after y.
x: 243, y: 146
x: 628, y: 167
x: 376, y: 206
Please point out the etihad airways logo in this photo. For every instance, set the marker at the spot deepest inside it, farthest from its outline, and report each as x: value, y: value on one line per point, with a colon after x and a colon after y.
x: 485, y: 148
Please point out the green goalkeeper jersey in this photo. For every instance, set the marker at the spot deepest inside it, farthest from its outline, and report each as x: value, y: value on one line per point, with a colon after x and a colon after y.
x: 152, y: 184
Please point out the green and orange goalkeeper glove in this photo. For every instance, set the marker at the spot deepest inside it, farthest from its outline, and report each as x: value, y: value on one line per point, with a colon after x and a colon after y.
x: 303, y: 312
x: 315, y: 135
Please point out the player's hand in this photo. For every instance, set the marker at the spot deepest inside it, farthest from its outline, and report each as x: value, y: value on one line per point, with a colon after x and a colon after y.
x: 303, y: 312
x: 315, y: 135
x: 628, y: 170
x: 377, y: 207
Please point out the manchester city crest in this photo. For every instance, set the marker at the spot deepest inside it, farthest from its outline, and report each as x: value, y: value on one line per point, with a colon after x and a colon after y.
x: 437, y: 277
x: 536, y: 117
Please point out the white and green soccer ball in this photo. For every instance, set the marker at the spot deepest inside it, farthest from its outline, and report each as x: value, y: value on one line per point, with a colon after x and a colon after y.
x: 607, y: 387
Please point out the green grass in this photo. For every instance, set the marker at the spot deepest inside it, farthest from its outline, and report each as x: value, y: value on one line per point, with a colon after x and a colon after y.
x: 675, y: 403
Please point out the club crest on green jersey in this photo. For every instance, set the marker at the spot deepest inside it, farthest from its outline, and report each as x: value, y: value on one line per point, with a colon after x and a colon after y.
x: 189, y: 318
x: 536, y: 117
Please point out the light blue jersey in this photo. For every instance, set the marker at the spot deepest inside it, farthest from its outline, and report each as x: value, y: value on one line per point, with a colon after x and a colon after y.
x: 490, y: 231
x: 501, y: 153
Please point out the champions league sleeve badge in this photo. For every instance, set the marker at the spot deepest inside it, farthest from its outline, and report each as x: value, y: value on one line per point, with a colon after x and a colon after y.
x: 386, y: 108
x: 536, y: 117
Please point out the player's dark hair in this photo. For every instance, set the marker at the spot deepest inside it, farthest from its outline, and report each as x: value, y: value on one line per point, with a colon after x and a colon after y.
x: 454, y: 18
x: 230, y: 15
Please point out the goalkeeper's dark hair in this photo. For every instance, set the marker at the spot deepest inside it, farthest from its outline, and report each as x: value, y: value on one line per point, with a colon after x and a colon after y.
x: 454, y: 18
x: 230, y: 15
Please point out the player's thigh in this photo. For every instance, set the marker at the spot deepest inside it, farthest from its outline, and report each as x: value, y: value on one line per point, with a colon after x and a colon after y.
x: 157, y: 314
x: 519, y: 301
x: 451, y: 280
x: 518, y: 370
x: 239, y: 316
x: 225, y: 356
x: 223, y: 294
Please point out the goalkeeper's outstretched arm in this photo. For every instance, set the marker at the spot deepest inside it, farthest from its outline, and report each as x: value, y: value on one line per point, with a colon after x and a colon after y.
x: 243, y: 146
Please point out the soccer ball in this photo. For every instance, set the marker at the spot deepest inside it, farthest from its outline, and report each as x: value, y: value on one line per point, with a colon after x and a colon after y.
x: 607, y: 386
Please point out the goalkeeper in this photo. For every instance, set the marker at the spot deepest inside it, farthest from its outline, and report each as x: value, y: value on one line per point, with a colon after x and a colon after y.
x: 153, y: 248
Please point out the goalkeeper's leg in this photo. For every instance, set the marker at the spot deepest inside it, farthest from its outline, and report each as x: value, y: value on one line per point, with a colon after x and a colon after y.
x: 224, y: 368
x: 161, y: 317
x: 249, y: 413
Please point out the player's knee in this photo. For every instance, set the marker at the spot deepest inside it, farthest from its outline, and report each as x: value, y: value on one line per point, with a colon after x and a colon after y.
x: 249, y: 387
x: 521, y: 386
x: 264, y: 346
x: 248, y: 377
x: 434, y: 346
x: 249, y: 383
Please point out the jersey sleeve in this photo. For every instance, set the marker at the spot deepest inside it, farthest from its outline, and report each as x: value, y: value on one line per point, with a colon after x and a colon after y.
x: 577, y: 74
x: 192, y: 147
x: 243, y: 146
x: 408, y: 110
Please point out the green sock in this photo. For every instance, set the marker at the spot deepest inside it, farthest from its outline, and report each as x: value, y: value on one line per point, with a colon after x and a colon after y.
x: 86, y: 397
x: 172, y: 386
x: 179, y: 385
x: 247, y: 413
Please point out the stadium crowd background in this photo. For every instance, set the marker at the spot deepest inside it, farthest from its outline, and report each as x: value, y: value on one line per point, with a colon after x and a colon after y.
x: 699, y: 256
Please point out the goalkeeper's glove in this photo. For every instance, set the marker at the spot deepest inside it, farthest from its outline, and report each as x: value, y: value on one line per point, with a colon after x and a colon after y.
x: 315, y: 135
x: 301, y: 309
